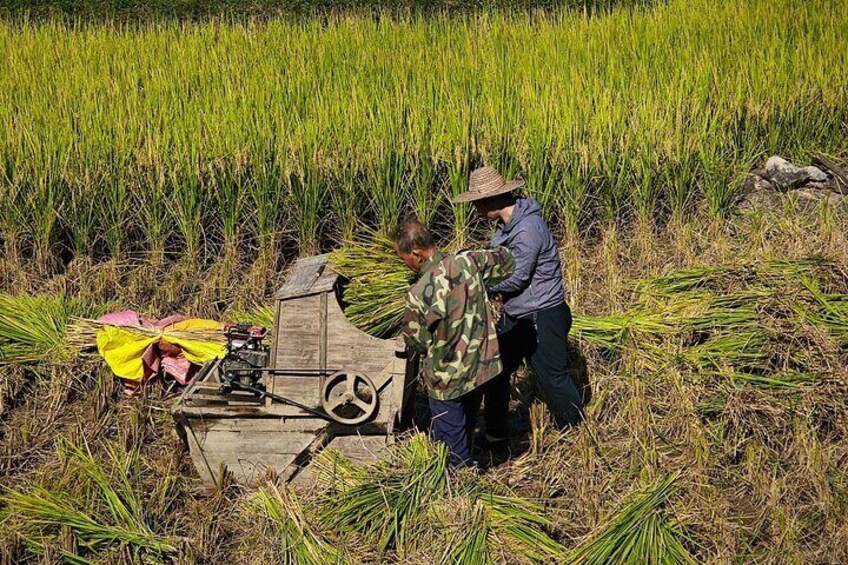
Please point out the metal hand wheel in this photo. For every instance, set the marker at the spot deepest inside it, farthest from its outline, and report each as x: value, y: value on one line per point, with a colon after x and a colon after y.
x: 349, y: 398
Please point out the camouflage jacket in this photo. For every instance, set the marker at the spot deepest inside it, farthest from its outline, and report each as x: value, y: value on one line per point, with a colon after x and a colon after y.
x: 449, y: 319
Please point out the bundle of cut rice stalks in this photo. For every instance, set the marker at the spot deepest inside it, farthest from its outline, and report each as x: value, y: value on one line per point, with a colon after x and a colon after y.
x: 295, y: 536
x: 105, y: 511
x: 777, y: 323
x: 377, y: 283
x: 412, y: 503
x: 33, y: 327
x: 259, y: 314
x: 642, y: 532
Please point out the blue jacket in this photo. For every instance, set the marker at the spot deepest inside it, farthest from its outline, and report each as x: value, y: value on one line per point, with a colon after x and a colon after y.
x: 537, y: 282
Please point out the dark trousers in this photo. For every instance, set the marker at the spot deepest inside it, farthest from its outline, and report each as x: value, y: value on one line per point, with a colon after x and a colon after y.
x: 542, y: 339
x: 453, y: 424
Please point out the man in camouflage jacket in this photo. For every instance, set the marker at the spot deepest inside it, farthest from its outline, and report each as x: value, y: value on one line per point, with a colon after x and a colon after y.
x: 449, y: 320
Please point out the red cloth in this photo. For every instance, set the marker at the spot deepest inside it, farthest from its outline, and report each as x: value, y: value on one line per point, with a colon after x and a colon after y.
x: 160, y: 356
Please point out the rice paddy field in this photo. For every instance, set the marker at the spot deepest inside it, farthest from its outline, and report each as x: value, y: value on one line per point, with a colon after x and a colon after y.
x: 181, y: 164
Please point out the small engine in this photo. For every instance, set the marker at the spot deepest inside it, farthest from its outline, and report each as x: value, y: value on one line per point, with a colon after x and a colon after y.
x: 244, y: 358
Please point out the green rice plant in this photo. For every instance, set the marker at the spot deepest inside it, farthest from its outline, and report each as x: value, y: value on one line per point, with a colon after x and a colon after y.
x: 230, y: 182
x: 115, y: 209
x: 614, y: 195
x: 459, y: 166
x: 646, y: 185
x: 42, y: 201
x: 386, y: 182
x: 187, y: 200
x: 79, y: 214
x: 149, y: 194
x: 544, y: 183
x: 33, y: 328
x: 267, y: 200
x: 347, y: 200
x: 106, y: 512
x: 425, y: 198
x: 299, y: 542
x: 307, y: 196
x: 640, y: 532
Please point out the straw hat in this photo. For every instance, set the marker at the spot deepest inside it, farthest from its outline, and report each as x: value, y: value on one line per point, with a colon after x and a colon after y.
x: 485, y: 182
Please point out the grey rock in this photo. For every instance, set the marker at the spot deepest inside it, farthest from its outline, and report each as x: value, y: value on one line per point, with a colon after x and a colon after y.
x: 817, y: 185
x: 749, y: 184
x: 763, y: 200
x: 784, y: 175
x: 815, y: 174
x: 836, y: 201
x: 754, y: 183
x: 806, y: 200
x: 763, y: 184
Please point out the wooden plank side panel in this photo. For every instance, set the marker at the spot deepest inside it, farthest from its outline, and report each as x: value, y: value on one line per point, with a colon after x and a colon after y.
x: 262, y: 425
x: 305, y: 389
x: 297, y: 335
x: 353, y: 349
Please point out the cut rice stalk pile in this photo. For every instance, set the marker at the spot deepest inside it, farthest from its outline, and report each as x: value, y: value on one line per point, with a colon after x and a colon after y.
x: 33, y: 328
x: 100, y: 503
x: 383, y: 501
x: 377, y: 282
x: 297, y: 540
x: 412, y: 501
x: 641, y: 532
x: 778, y: 321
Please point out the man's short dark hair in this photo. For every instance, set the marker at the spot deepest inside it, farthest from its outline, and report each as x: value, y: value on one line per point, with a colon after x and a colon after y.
x: 412, y: 234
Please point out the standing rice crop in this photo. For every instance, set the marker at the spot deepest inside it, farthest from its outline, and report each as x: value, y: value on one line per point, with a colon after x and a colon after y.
x: 174, y: 135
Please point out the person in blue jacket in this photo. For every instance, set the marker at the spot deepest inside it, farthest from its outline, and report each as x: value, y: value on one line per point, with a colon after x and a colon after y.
x: 535, y: 320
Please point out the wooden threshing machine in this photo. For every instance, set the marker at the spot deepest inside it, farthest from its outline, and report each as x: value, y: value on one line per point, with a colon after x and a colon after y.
x: 322, y: 383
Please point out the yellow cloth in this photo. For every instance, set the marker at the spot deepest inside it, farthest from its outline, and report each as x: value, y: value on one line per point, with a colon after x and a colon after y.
x: 123, y: 347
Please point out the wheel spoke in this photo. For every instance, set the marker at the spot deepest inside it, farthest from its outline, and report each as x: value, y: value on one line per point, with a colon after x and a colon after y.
x: 333, y: 404
x: 362, y: 405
